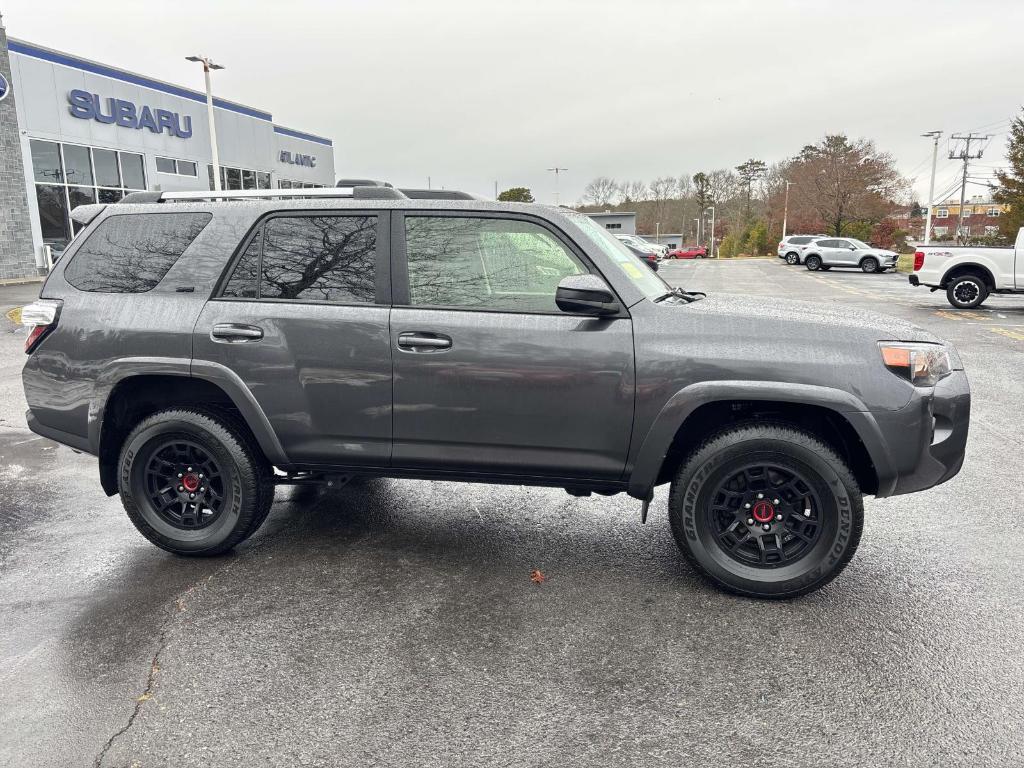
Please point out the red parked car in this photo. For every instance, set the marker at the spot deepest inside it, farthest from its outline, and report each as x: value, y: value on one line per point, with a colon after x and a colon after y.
x: 689, y: 252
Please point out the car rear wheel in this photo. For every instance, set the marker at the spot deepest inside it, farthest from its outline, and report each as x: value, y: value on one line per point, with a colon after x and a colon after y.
x: 813, y: 263
x: 792, y: 259
x: 966, y: 291
x: 869, y: 264
x: 766, y: 511
x: 194, y: 482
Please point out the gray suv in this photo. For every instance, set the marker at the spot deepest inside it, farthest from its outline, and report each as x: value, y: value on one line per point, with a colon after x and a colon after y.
x: 209, y: 347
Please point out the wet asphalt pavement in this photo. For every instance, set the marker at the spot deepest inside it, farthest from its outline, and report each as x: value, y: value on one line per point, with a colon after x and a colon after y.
x: 396, y: 623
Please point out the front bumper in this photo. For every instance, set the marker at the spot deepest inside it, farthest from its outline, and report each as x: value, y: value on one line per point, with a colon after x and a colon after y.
x: 927, y: 438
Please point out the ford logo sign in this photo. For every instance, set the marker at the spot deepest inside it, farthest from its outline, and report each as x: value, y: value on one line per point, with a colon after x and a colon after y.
x: 5, y: 87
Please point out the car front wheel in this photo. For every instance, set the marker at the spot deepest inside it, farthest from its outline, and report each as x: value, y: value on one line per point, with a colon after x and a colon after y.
x: 813, y: 263
x: 869, y: 264
x: 766, y: 511
x: 966, y: 292
x: 194, y: 482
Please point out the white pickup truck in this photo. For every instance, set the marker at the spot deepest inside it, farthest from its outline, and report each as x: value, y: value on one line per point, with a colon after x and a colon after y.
x: 969, y: 274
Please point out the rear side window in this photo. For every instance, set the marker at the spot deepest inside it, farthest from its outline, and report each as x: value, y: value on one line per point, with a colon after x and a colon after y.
x: 309, y: 258
x: 131, y: 253
x: 800, y: 240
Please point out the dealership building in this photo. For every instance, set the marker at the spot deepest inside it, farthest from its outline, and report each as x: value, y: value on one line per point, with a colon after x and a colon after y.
x: 75, y: 131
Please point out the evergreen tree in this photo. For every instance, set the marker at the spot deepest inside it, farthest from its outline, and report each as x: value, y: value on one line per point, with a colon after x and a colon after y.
x: 1011, y: 182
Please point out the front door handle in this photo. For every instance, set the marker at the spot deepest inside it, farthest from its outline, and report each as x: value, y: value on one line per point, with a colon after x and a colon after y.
x: 423, y: 342
x: 233, y: 333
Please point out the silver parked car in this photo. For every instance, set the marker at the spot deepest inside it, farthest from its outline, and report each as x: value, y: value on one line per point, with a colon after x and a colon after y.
x: 828, y: 252
x: 789, y: 247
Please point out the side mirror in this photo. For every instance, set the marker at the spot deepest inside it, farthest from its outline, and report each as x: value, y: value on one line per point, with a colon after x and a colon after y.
x: 586, y: 294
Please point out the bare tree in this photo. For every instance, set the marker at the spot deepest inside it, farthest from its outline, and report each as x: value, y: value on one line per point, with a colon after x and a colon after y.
x: 633, y: 191
x: 844, y: 181
x: 601, y: 191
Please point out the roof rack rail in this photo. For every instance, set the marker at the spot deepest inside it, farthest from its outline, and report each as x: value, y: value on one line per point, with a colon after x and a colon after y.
x: 365, y: 193
x: 438, y: 194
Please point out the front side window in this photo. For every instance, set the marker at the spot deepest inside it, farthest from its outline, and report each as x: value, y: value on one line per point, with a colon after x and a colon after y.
x: 309, y: 258
x: 485, y: 263
x: 643, y: 278
x: 131, y: 253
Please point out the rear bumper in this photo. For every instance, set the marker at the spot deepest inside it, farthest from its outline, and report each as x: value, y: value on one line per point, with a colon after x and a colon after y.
x: 927, y: 438
x: 914, y: 280
x: 78, y: 442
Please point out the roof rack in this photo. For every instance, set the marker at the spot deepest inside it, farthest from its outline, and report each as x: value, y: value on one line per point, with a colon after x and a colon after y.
x: 437, y: 194
x: 375, y: 193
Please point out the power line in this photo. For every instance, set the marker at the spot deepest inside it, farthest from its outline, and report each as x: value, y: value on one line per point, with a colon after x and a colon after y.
x: 965, y: 156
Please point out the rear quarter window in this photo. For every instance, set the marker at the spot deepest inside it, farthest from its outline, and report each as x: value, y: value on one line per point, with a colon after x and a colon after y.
x: 131, y: 252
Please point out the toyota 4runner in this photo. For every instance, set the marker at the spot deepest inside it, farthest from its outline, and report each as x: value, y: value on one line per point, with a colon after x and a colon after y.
x: 207, y: 347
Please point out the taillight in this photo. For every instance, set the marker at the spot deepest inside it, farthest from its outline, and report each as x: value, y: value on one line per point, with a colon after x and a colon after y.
x: 918, y: 260
x: 781, y: 244
x: 41, y: 316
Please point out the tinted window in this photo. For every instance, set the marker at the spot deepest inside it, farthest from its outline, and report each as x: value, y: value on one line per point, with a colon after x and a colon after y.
x: 505, y: 264
x: 131, y: 253
x: 132, y: 170
x: 310, y: 258
x: 46, y: 164
x: 165, y: 165
x: 107, y: 174
x: 800, y: 240
x: 187, y: 168
x: 53, y: 213
x: 242, y: 284
x: 77, y: 166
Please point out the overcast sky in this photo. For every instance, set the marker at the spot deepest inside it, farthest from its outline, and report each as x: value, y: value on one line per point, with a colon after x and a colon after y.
x: 469, y: 93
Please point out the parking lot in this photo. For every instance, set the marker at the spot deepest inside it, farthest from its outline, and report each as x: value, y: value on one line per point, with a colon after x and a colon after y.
x: 396, y: 623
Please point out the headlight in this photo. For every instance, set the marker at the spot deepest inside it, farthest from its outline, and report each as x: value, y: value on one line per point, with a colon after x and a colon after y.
x: 920, y: 364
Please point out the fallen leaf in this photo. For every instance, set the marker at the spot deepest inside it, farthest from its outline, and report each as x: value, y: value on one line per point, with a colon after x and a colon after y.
x: 145, y: 697
x: 537, y: 577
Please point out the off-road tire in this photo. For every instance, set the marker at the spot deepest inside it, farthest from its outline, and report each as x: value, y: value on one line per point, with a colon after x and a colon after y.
x: 966, y: 291
x: 248, y: 484
x: 840, y: 518
x: 813, y: 263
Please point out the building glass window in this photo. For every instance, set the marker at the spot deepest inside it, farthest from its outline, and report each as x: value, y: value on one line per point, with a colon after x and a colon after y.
x: 187, y: 168
x: 993, y: 212
x: 284, y: 184
x: 107, y: 172
x: 942, y: 213
x: 248, y: 179
x: 46, y: 164
x: 77, y: 165
x: 132, y: 170
x: 262, y: 180
x: 176, y: 167
x: 69, y: 175
x: 234, y: 177
x: 165, y: 165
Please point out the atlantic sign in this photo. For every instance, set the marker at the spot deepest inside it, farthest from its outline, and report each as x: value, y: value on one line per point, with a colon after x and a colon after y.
x: 87, y: 106
x: 294, y: 158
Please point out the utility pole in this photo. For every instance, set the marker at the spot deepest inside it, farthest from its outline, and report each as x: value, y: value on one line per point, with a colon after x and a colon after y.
x: 711, y: 250
x: 785, y: 210
x: 931, y: 187
x: 495, y: 190
x: 557, y: 171
x: 966, y: 156
x: 428, y: 183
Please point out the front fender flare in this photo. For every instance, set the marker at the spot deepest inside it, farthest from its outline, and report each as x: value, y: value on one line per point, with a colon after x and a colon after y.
x: 649, y: 457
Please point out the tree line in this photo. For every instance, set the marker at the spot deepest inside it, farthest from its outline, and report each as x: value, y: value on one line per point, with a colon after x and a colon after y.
x: 838, y: 186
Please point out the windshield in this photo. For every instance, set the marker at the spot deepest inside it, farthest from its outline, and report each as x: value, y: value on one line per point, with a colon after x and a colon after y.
x: 645, y: 279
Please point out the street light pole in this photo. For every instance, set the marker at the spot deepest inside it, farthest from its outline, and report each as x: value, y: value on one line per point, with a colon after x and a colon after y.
x: 785, y: 210
x: 711, y: 254
x: 931, y: 187
x: 557, y: 171
x: 207, y: 66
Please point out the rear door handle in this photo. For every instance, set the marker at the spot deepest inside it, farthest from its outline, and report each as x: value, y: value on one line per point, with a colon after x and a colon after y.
x: 424, y: 342
x: 233, y: 333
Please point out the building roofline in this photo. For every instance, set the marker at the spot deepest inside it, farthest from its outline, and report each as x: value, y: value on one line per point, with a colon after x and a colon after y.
x: 24, y: 48
x: 608, y: 213
x: 302, y: 135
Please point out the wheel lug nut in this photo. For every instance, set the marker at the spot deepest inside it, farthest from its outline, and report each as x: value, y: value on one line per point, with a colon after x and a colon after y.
x: 190, y: 469
x: 774, y: 501
x: 746, y: 506
x: 766, y: 527
x: 201, y: 477
x: 191, y: 495
x: 180, y: 475
x: 202, y: 490
x: 760, y: 495
x: 778, y: 517
x: 750, y: 521
x: 807, y: 513
x: 181, y: 487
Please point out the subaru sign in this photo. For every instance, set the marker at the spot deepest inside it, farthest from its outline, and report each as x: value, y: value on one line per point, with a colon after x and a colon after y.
x: 87, y: 106
x: 5, y: 87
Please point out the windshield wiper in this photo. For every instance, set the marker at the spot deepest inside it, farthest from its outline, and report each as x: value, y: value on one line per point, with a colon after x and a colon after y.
x: 679, y: 293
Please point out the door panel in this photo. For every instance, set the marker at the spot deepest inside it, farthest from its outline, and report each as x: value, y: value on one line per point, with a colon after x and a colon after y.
x: 321, y: 374
x: 514, y: 393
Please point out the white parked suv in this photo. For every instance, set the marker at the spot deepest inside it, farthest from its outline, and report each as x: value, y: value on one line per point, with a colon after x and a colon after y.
x: 969, y: 274
x: 828, y: 252
x: 789, y: 248
x: 639, y: 243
